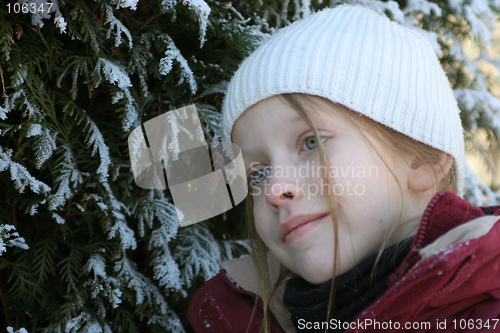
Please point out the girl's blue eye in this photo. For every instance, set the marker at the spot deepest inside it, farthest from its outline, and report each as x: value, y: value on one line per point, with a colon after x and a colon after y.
x: 259, y: 176
x: 310, y: 143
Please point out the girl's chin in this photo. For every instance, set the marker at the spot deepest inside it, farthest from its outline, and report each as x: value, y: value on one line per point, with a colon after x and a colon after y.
x: 315, y: 280
x: 317, y: 276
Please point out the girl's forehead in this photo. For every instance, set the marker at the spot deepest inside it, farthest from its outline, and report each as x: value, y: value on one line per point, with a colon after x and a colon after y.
x: 276, y: 113
x: 267, y: 113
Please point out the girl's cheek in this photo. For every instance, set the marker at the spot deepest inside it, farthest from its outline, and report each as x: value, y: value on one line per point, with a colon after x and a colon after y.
x: 262, y: 232
x: 263, y: 222
x: 258, y: 217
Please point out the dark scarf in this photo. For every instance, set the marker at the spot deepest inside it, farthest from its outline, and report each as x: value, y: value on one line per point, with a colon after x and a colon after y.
x: 353, y: 293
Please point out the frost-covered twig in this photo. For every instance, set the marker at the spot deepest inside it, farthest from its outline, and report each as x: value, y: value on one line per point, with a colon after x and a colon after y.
x: 9, y: 237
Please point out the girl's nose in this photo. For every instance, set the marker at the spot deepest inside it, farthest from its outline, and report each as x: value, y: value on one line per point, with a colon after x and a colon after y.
x: 282, y: 191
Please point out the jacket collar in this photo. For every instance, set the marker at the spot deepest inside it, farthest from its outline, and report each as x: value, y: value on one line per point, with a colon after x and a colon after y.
x: 243, y: 273
x: 444, y: 212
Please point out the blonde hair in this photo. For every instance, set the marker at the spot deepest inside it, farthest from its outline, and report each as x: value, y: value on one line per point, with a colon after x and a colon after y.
x: 398, y: 143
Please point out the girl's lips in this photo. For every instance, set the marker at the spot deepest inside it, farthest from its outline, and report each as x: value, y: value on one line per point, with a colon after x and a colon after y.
x: 299, y: 225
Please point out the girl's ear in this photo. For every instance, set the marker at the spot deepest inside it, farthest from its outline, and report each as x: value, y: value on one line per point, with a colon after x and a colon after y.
x: 422, y: 176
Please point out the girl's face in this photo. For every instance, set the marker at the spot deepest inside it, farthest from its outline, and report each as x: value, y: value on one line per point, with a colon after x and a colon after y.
x: 290, y: 198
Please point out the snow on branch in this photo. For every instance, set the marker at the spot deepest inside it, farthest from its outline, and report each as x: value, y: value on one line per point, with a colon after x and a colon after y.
x: 201, y: 9
x: 198, y: 252
x: 115, y: 223
x: 126, y: 234
x: 132, y: 4
x: 212, y: 120
x: 12, y: 103
x: 97, y: 140
x: 103, y: 284
x: 147, y: 292
x: 168, y: 4
x: 170, y: 322
x: 4, y: 110
x: 68, y: 174
x: 20, y: 75
x: 166, y: 270
x: 34, y: 130
x: 118, y: 25
x: 476, y: 192
x: 156, y: 205
x: 86, y: 322
x: 43, y: 10
x: 11, y: 330
x: 172, y: 54
x: 481, y: 18
x: 480, y: 104
x: 20, y: 175
x: 9, y: 237
x: 58, y: 218
x: 45, y: 144
x: 422, y: 6
x: 117, y: 75
x: 139, y: 58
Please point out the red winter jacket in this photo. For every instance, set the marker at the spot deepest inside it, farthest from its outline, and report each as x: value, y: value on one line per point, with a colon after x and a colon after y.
x: 454, y: 290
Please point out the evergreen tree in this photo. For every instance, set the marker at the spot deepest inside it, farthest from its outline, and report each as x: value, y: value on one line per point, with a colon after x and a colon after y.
x: 82, y: 247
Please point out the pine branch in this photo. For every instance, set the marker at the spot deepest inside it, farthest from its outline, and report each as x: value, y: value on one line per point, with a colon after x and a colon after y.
x: 4, y: 305
x: 99, y: 21
x: 39, y: 32
x: 4, y: 91
x: 145, y: 24
x: 14, y: 215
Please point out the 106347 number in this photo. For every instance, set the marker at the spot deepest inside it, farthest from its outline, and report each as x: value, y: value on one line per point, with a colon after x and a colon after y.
x: 479, y: 324
x: 26, y: 8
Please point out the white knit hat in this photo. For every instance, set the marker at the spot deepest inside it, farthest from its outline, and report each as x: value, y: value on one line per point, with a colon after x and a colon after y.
x: 356, y: 57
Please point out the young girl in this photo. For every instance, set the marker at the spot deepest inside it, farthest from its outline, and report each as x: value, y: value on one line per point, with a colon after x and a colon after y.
x: 354, y: 153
